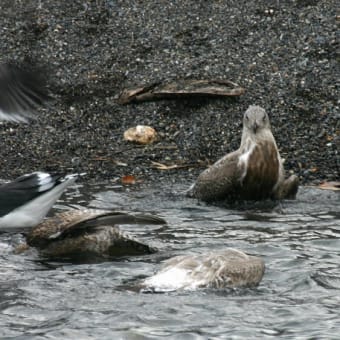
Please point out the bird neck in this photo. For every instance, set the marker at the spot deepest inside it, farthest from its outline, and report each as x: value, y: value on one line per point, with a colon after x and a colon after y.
x: 249, y: 138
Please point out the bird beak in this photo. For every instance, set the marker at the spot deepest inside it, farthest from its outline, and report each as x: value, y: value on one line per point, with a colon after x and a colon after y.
x: 255, y: 127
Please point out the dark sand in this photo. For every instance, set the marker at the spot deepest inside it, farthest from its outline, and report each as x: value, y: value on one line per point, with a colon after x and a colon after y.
x: 282, y: 52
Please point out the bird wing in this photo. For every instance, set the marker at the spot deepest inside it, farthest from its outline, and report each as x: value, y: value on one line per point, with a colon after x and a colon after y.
x: 21, y: 92
x: 220, y: 179
x: 23, y: 189
x: 78, y: 221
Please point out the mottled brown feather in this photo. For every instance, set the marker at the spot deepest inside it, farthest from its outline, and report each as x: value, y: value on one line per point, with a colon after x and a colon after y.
x: 229, y: 268
x: 54, y: 227
x: 262, y: 173
x: 221, y: 178
x: 89, y: 231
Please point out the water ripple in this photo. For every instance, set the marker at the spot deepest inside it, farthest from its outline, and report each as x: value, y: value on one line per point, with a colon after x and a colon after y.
x: 299, y: 241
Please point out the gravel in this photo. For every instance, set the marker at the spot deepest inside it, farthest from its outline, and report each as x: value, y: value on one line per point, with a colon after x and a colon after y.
x: 284, y: 53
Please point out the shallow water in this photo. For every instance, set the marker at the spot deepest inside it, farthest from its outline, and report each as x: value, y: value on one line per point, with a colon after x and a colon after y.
x: 299, y: 296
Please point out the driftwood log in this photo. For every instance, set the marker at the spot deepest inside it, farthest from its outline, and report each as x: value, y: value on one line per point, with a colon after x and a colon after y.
x: 180, y: 89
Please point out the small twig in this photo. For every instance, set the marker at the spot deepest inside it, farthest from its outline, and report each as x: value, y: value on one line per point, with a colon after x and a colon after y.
x: 161, y: 166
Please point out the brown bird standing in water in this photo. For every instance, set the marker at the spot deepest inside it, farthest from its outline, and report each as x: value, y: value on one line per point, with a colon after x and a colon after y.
x: 89, y: 232
x: 253, y: 172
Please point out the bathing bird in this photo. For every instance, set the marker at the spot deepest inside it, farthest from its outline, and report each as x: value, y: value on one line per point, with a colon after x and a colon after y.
x: 229, y: 268
x: 25, y: 201
x: 22, y: 91
x: 90, y: 233
x: 253, y: 172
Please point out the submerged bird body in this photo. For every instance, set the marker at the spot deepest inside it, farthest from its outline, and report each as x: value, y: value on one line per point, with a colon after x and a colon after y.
x: 25, y: 201
x: 89, y: 232
x: 230, y: 268
x: 253, y: 172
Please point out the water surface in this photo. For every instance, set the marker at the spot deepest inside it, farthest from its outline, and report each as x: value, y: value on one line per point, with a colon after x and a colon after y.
x: 299, y: 295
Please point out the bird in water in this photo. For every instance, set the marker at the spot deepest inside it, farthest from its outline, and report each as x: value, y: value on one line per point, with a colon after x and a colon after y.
x: 25, y: 201
x: 253, y: 172
x: 229, y: 268
x: 89, y: 233
x: 22, y: 91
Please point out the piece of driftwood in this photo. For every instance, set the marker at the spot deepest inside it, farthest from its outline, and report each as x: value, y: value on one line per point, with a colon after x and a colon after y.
x: 181, y: 89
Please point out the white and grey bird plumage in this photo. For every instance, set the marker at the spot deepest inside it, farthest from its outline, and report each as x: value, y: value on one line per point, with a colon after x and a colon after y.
x: 22, y: 91
x: 89, y: 233
x: 229, y: 268
x: 253, y: 172
x: 25, y: 201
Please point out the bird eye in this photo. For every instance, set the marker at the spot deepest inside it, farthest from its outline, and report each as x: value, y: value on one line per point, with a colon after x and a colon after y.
x: 247, y: 118
x: 264, y: 118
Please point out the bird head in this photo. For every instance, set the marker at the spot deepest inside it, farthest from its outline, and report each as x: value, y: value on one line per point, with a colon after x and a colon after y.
x: 255, y: 119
